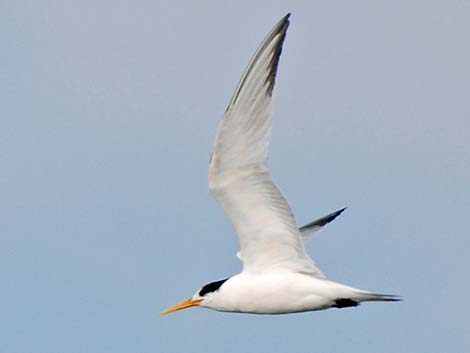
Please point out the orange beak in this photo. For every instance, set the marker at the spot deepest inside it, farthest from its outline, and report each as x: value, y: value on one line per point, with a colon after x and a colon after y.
x: 183, y: 305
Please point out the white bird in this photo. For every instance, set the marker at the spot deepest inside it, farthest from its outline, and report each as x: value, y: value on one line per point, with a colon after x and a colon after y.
x: 278, y: 276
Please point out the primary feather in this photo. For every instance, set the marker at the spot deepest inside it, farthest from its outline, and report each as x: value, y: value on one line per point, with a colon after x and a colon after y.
x: 238, y: 175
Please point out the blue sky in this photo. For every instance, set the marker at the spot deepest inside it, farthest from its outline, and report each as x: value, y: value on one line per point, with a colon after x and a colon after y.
x: 108, y: 114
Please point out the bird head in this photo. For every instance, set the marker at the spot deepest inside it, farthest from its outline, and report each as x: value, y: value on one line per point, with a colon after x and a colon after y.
x: 202, y: 297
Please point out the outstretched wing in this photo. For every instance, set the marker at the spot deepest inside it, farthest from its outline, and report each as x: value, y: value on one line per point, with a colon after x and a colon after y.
x: 309, y: 230
x: 238, y: 175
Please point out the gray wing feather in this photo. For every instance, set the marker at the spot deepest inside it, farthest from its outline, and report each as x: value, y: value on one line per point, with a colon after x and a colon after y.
x: 309, y: 230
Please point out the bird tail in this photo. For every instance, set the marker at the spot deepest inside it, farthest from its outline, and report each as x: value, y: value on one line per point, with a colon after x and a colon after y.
x: 364, y: 296
x: 348, y: 296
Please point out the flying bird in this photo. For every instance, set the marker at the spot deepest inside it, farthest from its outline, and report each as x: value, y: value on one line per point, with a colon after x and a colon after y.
x: 278, y: 276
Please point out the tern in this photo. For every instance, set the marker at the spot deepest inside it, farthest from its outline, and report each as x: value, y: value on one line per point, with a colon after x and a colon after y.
x: 278, y: 277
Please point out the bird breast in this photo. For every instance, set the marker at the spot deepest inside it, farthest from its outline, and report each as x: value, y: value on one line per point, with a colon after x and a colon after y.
x: 273, y: 293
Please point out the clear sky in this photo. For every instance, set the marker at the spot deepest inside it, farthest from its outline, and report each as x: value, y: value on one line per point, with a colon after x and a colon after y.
x: 107, y: 117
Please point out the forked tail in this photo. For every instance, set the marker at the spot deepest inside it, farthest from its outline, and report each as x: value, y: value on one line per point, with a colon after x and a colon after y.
x: 370, y: 297
x: 362, y: 296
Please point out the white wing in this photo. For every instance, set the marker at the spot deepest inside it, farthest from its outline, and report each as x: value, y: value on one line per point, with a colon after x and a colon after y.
x: 238, y: 175
x: 311, y: 229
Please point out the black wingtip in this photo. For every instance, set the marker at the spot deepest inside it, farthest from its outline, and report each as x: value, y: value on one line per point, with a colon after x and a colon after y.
x: 324, y: 220
x: 276, y: 36
x: 282, y: 26
x: 330, y: 217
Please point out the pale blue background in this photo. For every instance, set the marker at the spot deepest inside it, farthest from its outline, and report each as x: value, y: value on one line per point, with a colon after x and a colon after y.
x: 108, y: 112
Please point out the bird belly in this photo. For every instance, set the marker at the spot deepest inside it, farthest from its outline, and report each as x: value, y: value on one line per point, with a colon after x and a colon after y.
x: 272, y: 305
x: 277, y: 293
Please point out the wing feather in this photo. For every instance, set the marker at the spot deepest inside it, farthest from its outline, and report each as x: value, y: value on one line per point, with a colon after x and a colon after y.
x: 309, y: 230
x: 238, y: 175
